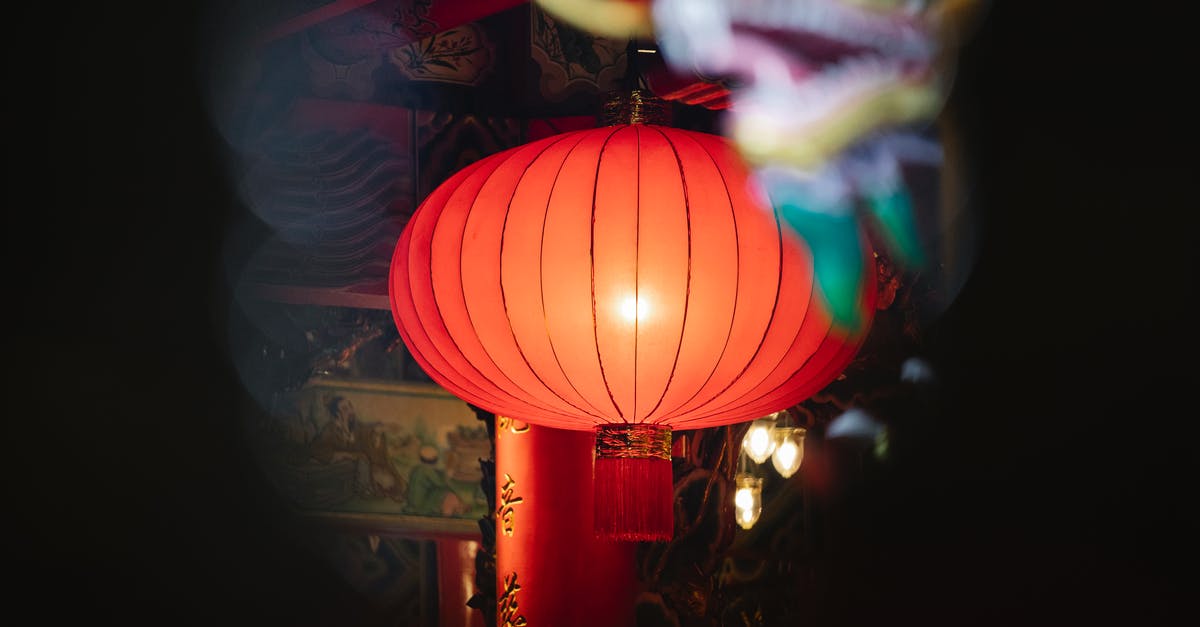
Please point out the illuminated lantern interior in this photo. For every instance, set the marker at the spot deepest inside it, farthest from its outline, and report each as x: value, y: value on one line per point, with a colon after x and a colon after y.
x: 623, y: 279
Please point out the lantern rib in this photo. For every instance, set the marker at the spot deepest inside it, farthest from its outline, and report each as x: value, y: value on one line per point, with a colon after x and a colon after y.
x: 504, y: 296
x: 831, y: 365
x: 729, y: 334
x: 825, y: 368
x: 542, y: 283
x: 637, y: 252
x: 710, y: 411
x: 687, y: 212
x: 469, y: 387
x: 592, y: 257
x: 823, y: 374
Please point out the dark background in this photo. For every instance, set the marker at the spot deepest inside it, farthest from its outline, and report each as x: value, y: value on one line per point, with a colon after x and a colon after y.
x: 1051, y: 490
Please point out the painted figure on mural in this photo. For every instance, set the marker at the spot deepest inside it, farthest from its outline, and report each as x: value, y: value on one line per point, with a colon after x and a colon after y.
x: 345, y: 437
x: 429, y: 493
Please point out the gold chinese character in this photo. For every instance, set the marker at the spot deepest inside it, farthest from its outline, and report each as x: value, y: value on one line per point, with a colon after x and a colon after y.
x: 507, y: 603
x: 508, y: 500
x: 512, y: 426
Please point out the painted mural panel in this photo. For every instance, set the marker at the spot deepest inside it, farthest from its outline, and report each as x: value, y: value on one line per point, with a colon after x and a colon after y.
x: 395, y: 451
x: 458, y: 56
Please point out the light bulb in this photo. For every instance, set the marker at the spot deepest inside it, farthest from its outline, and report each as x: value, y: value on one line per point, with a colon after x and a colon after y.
x: 747, y: 501
x: 743, y: 499
x: 759, y: 441
x: 789, y: 450
x: 634, y: 308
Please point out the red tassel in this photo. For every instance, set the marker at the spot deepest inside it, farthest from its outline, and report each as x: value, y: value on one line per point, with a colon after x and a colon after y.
x: 634, y: 499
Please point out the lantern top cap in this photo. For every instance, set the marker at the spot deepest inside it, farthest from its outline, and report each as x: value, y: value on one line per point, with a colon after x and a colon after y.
x: 635, y: 106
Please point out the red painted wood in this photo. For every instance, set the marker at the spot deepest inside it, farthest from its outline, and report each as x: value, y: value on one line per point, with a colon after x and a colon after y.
x: 456, y: 583
x: 552, y: 566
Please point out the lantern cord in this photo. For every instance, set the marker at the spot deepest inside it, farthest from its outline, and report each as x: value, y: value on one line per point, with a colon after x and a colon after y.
x: 635, y: 107
x: 633, y: 499
x: 633, y: 102
x: 633, y: 79
x: 634, y: 440
x: 632, y: 483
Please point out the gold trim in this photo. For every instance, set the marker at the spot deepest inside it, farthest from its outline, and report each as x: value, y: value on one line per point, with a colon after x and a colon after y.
x: 633, y: 441
x: 635, y: 107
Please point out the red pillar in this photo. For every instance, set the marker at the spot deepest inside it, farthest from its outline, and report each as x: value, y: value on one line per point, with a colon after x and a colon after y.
x: 550, y: 567
x: 456, y: 582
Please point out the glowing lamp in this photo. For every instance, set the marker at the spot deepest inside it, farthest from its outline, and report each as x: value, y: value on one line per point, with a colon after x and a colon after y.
x: 747, y: 500
x: 759, y: 441
x: 789, y: 450
x: 623, y: 280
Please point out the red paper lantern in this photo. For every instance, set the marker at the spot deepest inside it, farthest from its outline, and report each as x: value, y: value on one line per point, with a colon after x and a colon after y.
x: 623, y: 279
